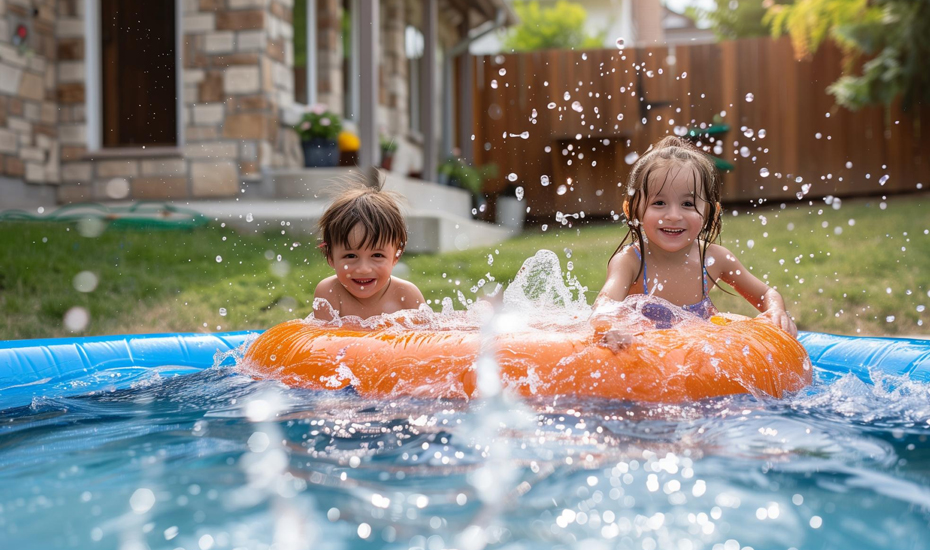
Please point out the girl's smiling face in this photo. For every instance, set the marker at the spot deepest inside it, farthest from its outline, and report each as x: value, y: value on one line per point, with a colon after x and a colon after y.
x: 673, y: 215
x: 363, y: 271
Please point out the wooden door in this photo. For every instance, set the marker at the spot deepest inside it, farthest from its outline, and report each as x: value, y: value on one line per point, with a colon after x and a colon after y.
x: 139, y: 79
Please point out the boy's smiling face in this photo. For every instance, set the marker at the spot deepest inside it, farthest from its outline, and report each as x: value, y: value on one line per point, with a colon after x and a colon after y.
x: 363, y: 271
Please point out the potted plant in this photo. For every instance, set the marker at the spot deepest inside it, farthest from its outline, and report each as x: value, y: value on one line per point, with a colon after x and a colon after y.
x: 318, y: 129
x: 348, y: 148
x: 388, y: 147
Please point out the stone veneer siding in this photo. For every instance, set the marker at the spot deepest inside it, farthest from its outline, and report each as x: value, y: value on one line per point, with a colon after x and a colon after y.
x: 233, y: 58
x: 28, y: 78
x: 237, y: 58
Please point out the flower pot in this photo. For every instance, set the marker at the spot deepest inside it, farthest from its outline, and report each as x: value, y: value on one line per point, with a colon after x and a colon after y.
x: 319, y: 152
x: 387, y: 159
x: 511, y: 212
x: 348, y: 158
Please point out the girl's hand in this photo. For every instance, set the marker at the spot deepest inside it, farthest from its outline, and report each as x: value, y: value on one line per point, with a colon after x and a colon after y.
x: 616, y: 340
x: 782, y: 320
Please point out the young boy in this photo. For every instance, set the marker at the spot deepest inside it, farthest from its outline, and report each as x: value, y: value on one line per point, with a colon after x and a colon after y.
x: 364, y: 235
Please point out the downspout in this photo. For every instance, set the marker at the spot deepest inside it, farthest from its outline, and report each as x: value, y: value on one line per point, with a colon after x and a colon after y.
x: 500, y: 19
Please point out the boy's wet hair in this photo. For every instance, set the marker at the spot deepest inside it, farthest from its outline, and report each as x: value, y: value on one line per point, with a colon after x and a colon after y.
x: 369, y: 205
x: 672, y: 154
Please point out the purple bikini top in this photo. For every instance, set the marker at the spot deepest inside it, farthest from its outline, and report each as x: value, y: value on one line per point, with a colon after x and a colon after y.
x: 662, y: 316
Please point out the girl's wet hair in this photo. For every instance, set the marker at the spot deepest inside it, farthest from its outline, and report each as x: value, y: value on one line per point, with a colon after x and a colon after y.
x: 672, y: 154
x: 369, y: 205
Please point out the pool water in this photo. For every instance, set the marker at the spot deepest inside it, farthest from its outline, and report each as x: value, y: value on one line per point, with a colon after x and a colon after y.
x: 219, y: 460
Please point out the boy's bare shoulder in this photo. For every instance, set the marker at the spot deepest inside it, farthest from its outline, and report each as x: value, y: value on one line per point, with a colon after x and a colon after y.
x: 327, y: 287
x: 408, y: 292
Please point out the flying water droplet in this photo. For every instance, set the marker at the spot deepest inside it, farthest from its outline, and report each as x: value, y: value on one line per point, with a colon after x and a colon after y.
x: 561, y: 190
x: 631, y: 157
x: 749, y: 98
x: 519, y: 193
x: 621, y: 43
x: 551, y: 105
x: 502, y: 72
x: 567, y: 96
x: 544, y: 180
x: 764, y: 172
x: 512, y: 176
x: 883, y: 180
x: 576, y: 106
x: 744, y: 151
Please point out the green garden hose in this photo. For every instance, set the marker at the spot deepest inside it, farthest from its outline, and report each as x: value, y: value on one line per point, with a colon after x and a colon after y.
x: 138, y: 216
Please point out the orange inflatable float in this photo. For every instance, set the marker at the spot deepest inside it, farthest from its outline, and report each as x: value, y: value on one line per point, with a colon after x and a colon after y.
x: 669, y: 366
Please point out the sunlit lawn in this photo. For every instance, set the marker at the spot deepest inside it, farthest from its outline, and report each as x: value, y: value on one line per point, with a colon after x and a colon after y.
x: 872, y: 278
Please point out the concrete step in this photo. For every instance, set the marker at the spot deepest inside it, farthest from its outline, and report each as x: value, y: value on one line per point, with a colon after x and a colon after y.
x: 428, y: 231
x: 325, y: 183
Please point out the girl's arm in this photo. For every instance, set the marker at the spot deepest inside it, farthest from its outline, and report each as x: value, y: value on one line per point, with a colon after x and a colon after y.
x: 762, y: 297
x: 621, y: 270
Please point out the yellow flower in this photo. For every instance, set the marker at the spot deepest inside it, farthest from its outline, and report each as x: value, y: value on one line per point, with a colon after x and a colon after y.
x: 348, y: 141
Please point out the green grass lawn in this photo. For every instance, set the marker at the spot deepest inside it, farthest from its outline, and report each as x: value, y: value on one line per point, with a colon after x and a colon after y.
x: 872, y: 278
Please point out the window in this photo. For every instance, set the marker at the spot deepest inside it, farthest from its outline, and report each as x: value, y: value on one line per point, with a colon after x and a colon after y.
x: 305, y: 51
x: 350, y: 58
x: 413, y: 49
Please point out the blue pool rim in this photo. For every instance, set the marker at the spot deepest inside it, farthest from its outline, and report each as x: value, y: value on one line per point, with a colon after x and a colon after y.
x: 74, y: 366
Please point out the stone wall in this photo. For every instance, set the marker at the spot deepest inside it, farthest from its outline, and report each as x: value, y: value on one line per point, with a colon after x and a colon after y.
x: 232, y: 54
x: 236, y: 80
x: 28, y: 111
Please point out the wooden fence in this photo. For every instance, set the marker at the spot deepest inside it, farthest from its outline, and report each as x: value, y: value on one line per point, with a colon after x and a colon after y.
x: 578, y: 119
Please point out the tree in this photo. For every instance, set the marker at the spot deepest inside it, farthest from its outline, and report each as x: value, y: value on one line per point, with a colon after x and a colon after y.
x: 558, y: 27
x: 893, y: 34
x: 731, y: 19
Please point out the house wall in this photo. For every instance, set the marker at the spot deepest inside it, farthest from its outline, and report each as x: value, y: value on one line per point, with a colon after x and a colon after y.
x: 236, y: 80
x: 29, y: 139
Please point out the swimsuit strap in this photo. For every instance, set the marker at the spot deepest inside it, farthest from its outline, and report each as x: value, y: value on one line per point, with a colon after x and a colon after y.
x: 645, y: 277
x: 704, y: 280
x: 704, y: 276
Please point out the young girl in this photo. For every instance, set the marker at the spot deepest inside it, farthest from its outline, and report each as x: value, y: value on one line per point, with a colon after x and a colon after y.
x: 673, y: 214
x: 364, y: 235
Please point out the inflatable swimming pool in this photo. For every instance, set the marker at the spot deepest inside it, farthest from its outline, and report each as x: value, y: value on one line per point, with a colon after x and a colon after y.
x: 74, y: 366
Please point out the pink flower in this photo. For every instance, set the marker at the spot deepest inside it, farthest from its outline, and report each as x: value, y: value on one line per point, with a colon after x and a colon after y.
x: 324, y: 121
x: 305, y: 125
x: 318, y: 109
